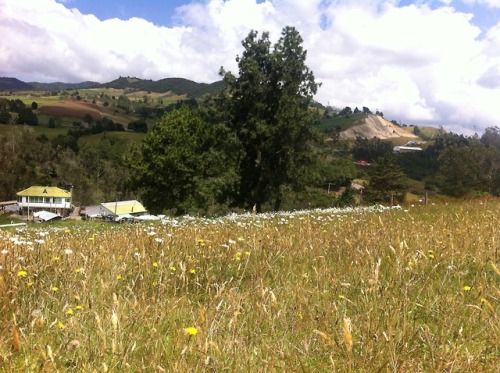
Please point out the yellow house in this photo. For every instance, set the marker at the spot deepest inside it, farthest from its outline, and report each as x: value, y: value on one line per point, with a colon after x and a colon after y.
x: 48, y: 198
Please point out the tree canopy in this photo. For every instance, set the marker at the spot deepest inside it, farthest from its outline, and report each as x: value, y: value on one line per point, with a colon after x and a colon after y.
x: 387, y: 181
x: 183, y: 165
x: 269, y: 104
x: 246, y: 144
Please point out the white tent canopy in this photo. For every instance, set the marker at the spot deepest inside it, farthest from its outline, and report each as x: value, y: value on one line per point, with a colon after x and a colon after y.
x: 46, y: 216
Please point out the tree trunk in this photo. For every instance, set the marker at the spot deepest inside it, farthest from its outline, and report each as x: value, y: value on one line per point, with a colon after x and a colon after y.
x: 277, y: 202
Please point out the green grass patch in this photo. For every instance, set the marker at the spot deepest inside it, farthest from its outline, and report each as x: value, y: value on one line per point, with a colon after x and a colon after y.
x: 29, y: 98
x: 330, y: 125
x: 5, y: 130
x: 127, y: 136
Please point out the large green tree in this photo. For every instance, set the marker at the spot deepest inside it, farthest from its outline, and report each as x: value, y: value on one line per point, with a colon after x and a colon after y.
x: 371, y: 149
x: 468, y: 169
x: 269, y: 104
x: 183, y: 165
x: 387, y: 181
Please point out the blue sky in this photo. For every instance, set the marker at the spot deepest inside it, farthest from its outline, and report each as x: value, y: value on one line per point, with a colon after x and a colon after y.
x: 427, y: 62
x: 160, y: 12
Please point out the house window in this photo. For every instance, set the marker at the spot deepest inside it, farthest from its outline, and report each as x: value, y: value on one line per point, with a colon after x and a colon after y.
x: 35, y: 199
x: 58, y: 201
x: 46, y: 200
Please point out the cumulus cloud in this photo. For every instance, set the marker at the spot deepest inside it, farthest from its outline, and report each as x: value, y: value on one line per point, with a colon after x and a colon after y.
x: 417, y: 63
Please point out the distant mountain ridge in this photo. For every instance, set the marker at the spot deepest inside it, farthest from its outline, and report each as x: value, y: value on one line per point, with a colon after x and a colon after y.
x: 13, y: 84
x: 179, y: 86
x: 59, y: 86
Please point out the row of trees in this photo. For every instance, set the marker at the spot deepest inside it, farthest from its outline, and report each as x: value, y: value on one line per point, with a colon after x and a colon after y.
x: 97, y: 169
x: 24, y: 114
x: 454, y: 165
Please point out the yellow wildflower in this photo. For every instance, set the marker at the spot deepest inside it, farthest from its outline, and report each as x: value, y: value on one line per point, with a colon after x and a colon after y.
x: 70, y: 312
x: 155, y: 264
x: 61, y: 325
x: 56, y: 259
x: 191, y: 330
x: 54, y: 288
x: 172, y: 268
x: 192, y: 271
x: 466, y: 288
x: 22, y: 274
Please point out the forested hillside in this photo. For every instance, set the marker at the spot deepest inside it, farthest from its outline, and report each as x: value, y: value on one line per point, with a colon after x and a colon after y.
x: 13, y: 84
x: 179, y: 86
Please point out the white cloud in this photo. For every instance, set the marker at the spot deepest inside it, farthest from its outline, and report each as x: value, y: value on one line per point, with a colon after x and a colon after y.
x: 415, y: 63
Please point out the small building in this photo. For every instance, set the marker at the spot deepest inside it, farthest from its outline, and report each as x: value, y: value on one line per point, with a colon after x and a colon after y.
x: 362, y: 163
x: 118, y: 208
x: 406, y: 149
x: 115, y: 211
x: 38, y: 198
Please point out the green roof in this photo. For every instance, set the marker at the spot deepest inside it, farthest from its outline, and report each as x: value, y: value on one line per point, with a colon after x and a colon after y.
x: 44, y: 191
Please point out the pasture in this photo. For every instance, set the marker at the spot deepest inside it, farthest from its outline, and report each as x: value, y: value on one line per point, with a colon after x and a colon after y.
x: 355, y: 290
x: 72, y: 109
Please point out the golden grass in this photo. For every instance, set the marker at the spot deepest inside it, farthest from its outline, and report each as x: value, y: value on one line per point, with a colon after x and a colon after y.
x: 360, y: 291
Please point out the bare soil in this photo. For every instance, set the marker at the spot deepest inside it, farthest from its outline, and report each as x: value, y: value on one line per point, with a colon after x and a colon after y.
x: 376, y: 126
x: 74, y: 109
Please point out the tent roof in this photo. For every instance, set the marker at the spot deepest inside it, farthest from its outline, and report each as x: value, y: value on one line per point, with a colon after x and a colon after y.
x: 44, y: 191
x: 46, y: 215
x: 147, y: 217
x: 124, y: 207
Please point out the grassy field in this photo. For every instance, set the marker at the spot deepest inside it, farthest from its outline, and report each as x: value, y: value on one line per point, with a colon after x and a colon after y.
x: 129, y: 136
x: 329, y: 125
x: 43, y: 98
x: 336, y: 290
x: 68, y: 110
x: 30, y: 97
x: 5, y: 130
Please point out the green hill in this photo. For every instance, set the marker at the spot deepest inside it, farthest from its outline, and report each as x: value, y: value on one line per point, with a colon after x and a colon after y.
x: 13, y: 84
x: 59, y: 86
x: 179, y: 86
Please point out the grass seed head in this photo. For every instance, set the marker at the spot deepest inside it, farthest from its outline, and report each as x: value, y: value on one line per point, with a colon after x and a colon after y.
x: 346, y: 327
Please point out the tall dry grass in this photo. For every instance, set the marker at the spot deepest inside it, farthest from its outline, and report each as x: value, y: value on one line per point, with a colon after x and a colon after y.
x: 360, y: 291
